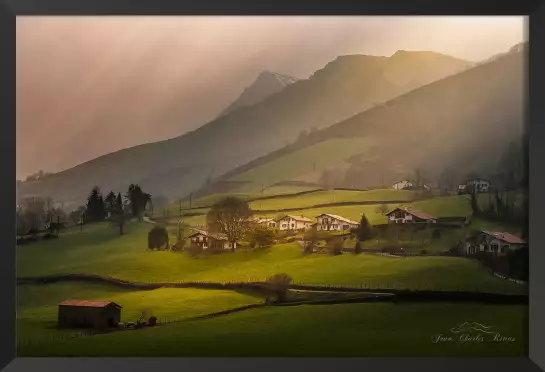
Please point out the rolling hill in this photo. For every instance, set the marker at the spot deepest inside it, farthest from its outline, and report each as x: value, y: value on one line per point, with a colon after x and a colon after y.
x: 465, y: 123
x: 174, y: 167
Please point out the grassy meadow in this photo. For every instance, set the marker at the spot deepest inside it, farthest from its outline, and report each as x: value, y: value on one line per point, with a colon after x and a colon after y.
x: 311, y: 159
x: 37, y: 304
x: 373, y: 329
x: 127, y: 257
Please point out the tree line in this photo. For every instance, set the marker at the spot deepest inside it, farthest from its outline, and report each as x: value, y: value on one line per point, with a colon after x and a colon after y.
x: 34, y: 214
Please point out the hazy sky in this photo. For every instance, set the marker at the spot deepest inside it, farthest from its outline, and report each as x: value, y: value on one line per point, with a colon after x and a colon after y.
x: 87, y: 86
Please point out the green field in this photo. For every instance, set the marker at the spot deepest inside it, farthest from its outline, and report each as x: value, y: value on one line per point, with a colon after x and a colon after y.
x: 373, y: 329
x: 448, y: 206
x: 310, y: 159
x: 100, y: 250
x: 37, y: 304
x: 333, y: 196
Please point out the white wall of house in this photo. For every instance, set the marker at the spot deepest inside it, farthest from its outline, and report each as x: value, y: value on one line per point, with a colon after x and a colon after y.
x: 327, y: 223
x: 479, y: 185
x: 405, y: 218
x: 490, y: 245
x: 288, y: 223
x: 204, y: 240
x: 401, y: 185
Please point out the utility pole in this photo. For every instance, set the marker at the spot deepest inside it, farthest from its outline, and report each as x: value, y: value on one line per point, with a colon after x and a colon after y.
x: 81, y: 223
x: 190, y: 199
x: 58, y: 224
x: 180, y: 207
x: 262, y: 189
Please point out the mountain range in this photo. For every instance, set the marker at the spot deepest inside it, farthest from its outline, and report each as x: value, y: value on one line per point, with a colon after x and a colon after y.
x: 351, y: 97
x: 265, y: 84
x: 463, y: 123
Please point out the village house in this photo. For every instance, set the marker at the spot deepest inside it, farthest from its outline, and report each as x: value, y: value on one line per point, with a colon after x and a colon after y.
x: 266, y: 222
x: 205, y: 240
x: 493, y: 242
x: 406, y: 215
x: 402, y: 185
x: 333, y: 222
x: 479, y: 185
x: 88, y: 314
x: 294, y: 223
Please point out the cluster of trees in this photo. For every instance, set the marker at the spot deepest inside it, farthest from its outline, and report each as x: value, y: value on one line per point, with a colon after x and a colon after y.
x: 117, y: 208
x: 35, y: 214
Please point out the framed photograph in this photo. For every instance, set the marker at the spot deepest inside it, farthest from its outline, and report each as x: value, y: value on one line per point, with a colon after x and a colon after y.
x: 330, y: 186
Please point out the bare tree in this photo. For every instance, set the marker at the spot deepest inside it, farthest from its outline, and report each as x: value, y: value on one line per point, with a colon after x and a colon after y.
x: 229, y: 216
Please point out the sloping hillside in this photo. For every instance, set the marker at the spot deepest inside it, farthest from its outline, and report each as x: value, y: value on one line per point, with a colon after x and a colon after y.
x: 266, y: 84
x: 463, y: 122
x: 345, y: 86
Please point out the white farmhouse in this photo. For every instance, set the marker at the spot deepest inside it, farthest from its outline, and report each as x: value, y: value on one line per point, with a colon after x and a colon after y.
x: 494, y: 242
x: 333, y: 222
x: 405, y: 215
x: 480, y: 185
x: 206, y: 240
x: 294, y: 223
x: 402, y: 185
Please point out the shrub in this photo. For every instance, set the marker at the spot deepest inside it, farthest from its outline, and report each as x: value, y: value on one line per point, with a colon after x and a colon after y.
x: 336, y: 246
x: 179, y: 246
x: 279, y: 284
x: 357, y: 248
x: 262, y: 236
x: 423, y: 252
x: 158, y: 238
x: 309, y: 248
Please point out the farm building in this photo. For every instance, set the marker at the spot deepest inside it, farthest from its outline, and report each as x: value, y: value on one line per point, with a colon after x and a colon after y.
x: 402, y: 185
x: 330, y: 222
x: 493, y: 242
x: 206, y: 240
x: 405, y: 215
x: 88, y: 314
x: 266, y: 222
x: 294, y: 223
x: 479, y: 185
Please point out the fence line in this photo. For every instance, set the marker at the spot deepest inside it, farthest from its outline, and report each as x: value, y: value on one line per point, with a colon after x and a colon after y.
x: 252, y: 283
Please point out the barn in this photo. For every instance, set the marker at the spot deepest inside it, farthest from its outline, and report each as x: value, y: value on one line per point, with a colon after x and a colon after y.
x: 88, y: 314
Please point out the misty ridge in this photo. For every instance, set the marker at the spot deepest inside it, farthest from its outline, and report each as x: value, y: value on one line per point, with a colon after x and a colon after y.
x: 413, y: 110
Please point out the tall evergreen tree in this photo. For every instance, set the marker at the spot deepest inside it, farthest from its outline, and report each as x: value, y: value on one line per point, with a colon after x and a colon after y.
x: 138, y: 200
x: 109, y: 202
x: 95, y: 206
x: 363, y: 232
x: 119, y: 216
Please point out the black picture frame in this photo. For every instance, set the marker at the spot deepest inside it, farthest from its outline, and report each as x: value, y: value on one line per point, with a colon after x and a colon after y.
x: 535, y: 9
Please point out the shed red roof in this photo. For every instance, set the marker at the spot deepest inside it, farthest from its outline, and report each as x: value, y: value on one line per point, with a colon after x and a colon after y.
x: 85, y: 303
x: 506, y: 237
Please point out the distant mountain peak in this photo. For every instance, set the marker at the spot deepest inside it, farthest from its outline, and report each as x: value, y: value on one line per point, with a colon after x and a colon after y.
x: 266, y: 83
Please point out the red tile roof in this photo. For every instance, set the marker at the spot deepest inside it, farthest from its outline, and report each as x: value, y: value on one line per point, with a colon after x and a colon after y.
x: 217, y: 236
x: 340, y: 218
x: 85, y: 303
x: 298, y: 218
x: 415, y: 213
x: 506, y: 237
